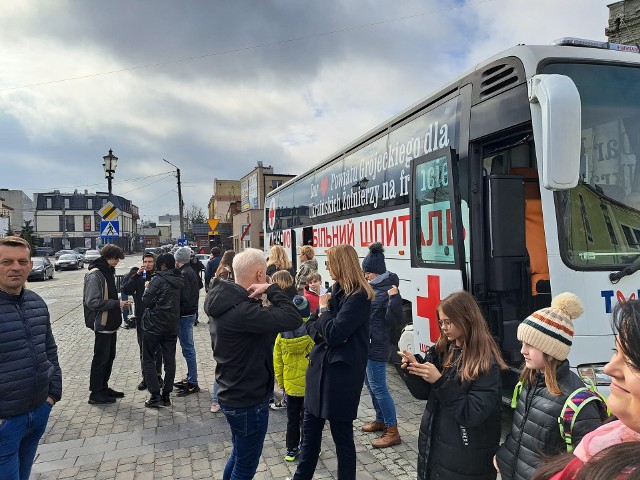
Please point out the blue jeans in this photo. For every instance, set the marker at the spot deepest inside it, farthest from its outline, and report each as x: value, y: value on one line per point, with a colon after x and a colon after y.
x: 19, y: 437
x: 248, y: 429
x: 216, y: 387
x: 185, y: 335
x: 376, y: 381
x: 342, y: 433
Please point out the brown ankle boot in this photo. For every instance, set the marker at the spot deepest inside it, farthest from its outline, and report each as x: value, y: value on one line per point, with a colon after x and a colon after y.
x: 389, y: 438
x: 373, y: 427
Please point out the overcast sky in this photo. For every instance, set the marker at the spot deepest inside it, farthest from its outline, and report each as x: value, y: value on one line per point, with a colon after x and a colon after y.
x: 216, y: 86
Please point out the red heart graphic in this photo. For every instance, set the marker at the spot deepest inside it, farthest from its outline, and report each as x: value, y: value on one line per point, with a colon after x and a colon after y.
x: 324, y: 183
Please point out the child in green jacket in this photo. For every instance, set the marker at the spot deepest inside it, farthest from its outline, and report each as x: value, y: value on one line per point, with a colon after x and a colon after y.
x: 290, y: 361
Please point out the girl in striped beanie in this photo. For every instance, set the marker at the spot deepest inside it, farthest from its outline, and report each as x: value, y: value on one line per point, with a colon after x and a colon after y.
x: 546, y: 383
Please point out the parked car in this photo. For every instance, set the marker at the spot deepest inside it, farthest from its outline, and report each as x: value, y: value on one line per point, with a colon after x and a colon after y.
x: 44, y: 251
x: 80, y: 250
x: 69, y: 261
x: 42, y: 269
x: 203, y: 258
x: 64, y: 252
x: 154, y: 250
x: 91, y: 255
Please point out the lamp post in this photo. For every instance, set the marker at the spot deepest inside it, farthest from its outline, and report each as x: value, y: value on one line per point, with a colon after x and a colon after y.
x: 180, y: 202
x: 109, y: 165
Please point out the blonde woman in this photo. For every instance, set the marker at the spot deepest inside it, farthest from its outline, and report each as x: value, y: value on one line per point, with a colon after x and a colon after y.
x: 279, y: 260
x: 337, y: 363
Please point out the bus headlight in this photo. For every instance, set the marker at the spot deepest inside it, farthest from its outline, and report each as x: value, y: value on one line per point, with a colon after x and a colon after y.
x: 595, y: 373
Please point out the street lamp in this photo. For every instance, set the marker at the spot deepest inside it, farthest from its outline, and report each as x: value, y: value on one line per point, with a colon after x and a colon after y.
x: 109, y: 165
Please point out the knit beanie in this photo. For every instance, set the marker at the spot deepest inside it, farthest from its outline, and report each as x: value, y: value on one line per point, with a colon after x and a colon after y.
x: 550, y: 330
x: 302, y: 304
x: 182, y: 255
x: 374, y: 261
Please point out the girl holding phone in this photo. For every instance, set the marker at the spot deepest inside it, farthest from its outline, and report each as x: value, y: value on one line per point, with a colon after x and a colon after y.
x: 460, y: 377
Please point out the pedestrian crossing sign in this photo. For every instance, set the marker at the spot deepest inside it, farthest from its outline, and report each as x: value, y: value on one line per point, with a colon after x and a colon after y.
x: 109, y: 229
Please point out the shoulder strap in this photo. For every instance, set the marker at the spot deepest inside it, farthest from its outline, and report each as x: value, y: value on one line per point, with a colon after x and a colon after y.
x: 571, y: 408
x: 516, y: 394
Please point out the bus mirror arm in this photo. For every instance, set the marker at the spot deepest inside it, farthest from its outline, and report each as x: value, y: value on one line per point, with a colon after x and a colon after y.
x: 615, y: 277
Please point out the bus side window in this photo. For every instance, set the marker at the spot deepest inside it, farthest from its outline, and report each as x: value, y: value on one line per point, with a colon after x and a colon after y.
x: 535, y: 237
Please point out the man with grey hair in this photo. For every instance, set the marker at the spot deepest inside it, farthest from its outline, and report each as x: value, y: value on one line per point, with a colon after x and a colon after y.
x: 189, y: 294
x: 242, y: 331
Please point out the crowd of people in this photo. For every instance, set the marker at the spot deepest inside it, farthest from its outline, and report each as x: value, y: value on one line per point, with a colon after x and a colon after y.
x: 273, y: 326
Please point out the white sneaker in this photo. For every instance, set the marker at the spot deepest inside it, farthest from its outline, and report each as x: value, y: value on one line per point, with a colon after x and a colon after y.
x: 215, y: 407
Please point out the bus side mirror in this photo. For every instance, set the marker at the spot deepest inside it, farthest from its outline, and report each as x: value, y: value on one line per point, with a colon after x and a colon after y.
x: 556, y: 118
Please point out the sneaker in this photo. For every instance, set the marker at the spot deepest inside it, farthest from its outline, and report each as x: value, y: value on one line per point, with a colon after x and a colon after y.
x: 188, y: 390
x: 215, y: 407
x: 181, y: 384
x: 154, y: 402
x: 166, y: 399
x: 110, y: 392
x: 99, y: 399
x: 292, y: 454
x: 282, y: 404
x: 142, y: 385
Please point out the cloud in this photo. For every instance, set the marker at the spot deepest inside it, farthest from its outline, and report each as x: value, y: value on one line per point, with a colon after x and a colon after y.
x: 215, y: 87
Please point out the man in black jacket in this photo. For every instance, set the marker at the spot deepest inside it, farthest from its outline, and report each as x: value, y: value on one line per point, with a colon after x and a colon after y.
x: 30, y: 376
x: 134, y: 285
x: 189, y: 295
x: 103, y: 315
x: 212, y: 266
x: 242, y: 332
x: 159, y: 325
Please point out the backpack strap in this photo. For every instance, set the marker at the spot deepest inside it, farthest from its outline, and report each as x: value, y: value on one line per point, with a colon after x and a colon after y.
x: 571, y: 408
x: 516, y: 394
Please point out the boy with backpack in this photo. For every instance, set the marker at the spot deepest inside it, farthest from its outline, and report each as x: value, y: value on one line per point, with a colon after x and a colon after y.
x: 553, y: 408
x: 290, y: 362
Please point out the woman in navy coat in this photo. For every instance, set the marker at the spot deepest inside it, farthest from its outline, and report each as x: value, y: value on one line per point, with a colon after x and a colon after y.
x: 337, y: 364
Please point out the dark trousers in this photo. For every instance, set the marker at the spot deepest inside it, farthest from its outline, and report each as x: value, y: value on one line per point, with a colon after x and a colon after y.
x: 104, y: 352
x: 166, y: 345
x: 295, y: 412
x: 342, y: 433
x: 139, y: 334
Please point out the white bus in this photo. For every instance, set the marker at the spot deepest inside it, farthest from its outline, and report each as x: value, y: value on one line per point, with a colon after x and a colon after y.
x: 516, y: 181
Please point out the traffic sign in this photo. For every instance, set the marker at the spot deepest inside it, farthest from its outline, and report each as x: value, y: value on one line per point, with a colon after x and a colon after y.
x: 109, y: 229
x: 245, y: 229
x: 182, y: 242
x: 109, y: 212
x: 213, y: 223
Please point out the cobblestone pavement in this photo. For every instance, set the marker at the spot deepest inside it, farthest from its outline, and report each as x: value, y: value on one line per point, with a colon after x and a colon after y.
x: 125, y: 440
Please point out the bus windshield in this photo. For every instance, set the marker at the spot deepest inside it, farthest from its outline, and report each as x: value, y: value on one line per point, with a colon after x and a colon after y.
x: 599, y: 219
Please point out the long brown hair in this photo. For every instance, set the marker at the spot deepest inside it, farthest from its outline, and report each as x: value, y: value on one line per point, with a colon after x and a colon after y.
x: 225, y: 268
x: 344, y: 264
x: 479, y: 349
x: 278, y: 257
x: 528, y: 375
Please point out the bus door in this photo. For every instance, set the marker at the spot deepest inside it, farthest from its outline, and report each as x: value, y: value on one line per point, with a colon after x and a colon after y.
x: 515, y: 276
x: 437, y: 241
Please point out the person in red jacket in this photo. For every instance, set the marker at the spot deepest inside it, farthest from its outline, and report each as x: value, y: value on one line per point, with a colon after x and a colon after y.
x: 313, y: 289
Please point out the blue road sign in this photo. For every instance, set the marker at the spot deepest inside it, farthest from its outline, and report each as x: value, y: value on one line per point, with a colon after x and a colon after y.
x: 110, y: 229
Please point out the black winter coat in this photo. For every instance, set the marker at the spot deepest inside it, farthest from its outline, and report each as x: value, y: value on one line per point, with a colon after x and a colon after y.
x: 242, y: 332
x: 190, y: 291
x: 273, y: 268
x: 385, y: 312
x: 29, y: 369
x: 460, y: 428
x: 535, y: 430
x: 338, y: 360
x: 162, y: 299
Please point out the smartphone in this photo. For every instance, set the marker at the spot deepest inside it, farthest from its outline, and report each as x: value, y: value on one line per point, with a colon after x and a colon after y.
x: 403, y: 355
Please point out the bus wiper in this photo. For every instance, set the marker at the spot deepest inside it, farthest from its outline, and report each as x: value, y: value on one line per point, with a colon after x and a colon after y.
x: 615, y: 277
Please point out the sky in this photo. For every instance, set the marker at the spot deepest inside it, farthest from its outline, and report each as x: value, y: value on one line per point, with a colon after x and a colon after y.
x: 214, y: 87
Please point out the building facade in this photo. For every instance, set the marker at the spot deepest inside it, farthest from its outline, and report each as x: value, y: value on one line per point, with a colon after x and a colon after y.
x: 69, y: 220
x: 248, y: 225
x: 22, y: 207
x: 624, y: 22
x: 173, y: 222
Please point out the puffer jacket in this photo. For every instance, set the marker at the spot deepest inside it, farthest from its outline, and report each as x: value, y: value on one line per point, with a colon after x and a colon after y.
x: 162, y: 301
x: 460, y: 428
x: 133, y: 285
x: 29, y: 369
x: 101, y: 314
x: 291, y: 359
x: 190, y: 291
x: 385, y: 312
x: 306, y: 269
x: 242, y: 332
x: 535, y: 431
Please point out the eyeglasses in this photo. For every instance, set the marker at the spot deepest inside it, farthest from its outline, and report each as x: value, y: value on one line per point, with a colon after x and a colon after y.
x: 446, y: 324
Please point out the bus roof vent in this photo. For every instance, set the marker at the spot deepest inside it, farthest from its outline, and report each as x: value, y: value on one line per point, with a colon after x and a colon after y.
x: 496, y: 79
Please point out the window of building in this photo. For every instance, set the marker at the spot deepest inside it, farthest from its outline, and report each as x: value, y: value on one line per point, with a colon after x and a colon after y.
x: 86, y: 223
x: 89, y: 203
x: 67, y: 203
x: 49, y: 202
